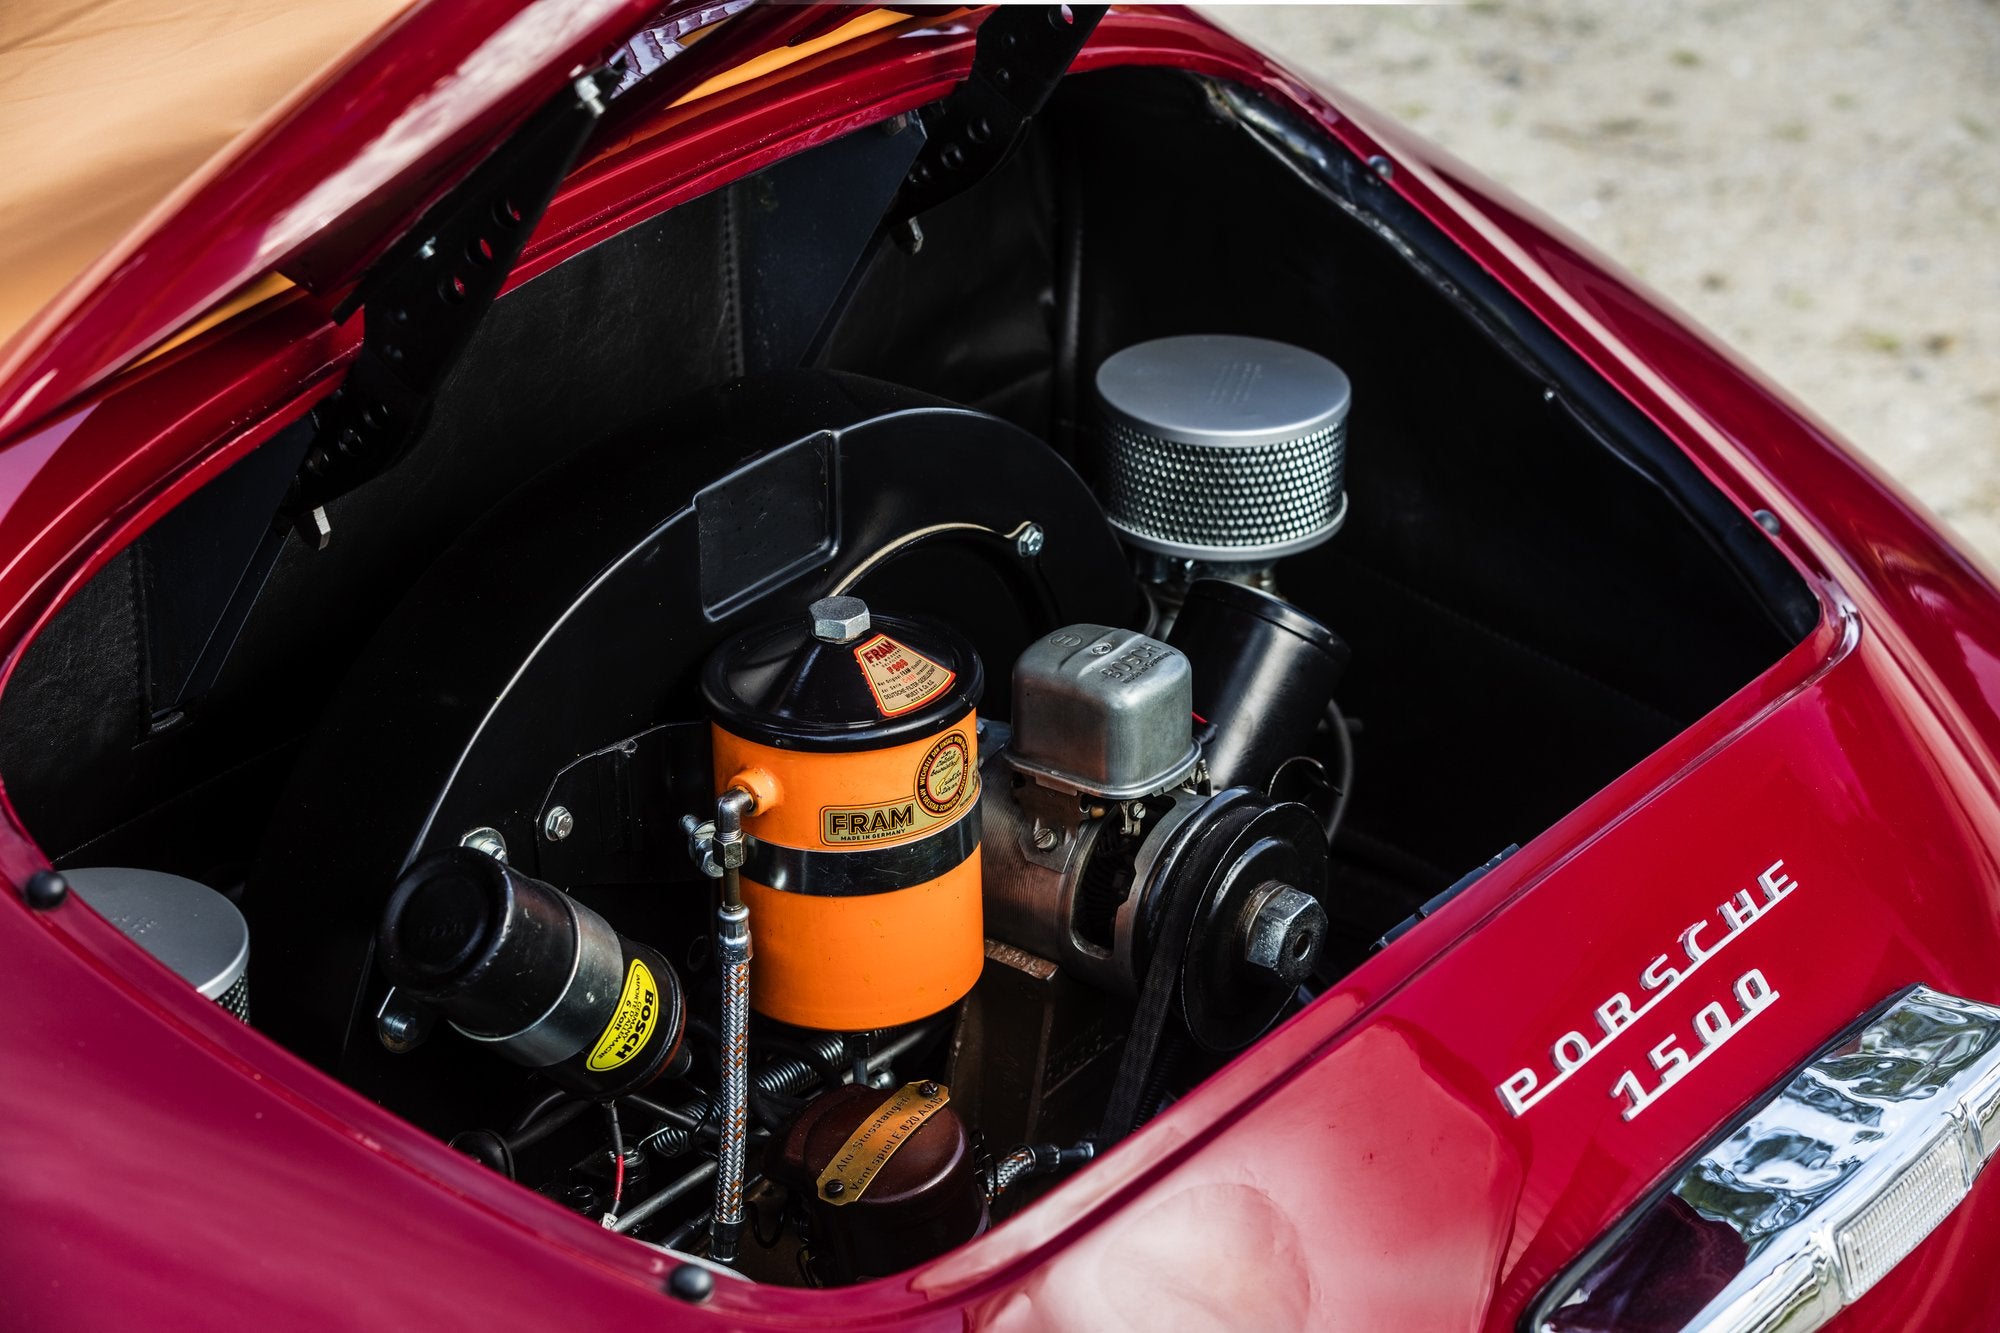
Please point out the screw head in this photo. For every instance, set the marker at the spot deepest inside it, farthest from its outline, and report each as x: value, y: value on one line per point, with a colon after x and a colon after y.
x: 927, y: 1088
x: 45, y: 889
x: 1047, y: 837
x: 691, y: 1283
x: 1028, y: 544
x: 1283, y: 930
x: 839, y: 619
x: 834, y: 1189
x: 488, y: 841
x: 399, y: 1031
x: 559, y: 823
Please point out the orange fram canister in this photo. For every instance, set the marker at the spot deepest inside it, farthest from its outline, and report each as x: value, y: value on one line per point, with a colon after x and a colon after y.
x: 858, y: 737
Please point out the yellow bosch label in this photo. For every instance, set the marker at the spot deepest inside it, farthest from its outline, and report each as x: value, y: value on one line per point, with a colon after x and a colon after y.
x: 900, y: 678
x: 871, y: 1146
x: 632, y: 1026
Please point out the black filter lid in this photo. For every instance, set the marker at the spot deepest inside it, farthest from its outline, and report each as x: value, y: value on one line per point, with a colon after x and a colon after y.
x: 840, y: 678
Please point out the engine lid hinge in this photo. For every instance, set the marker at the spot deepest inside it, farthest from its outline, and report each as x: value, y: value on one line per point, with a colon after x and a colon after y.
x: 424, y: 298
x: 1020, y: 54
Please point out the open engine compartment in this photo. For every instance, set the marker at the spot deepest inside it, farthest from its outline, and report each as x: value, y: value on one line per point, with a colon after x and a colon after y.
x: 502, y: 646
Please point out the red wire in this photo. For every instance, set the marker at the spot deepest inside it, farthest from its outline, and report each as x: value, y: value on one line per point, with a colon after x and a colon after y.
x: 618, y: 1183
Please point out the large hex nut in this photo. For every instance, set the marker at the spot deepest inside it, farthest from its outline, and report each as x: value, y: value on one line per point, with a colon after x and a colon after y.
x: 1283, y: 931
x: 839, y: 619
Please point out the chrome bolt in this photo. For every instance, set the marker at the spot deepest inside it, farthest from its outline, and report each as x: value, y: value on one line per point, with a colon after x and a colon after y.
x: 1028, y: 541
x: 1046, y: 837
x: 1282, y: 932
x: 399, y: 1031
x: 401, y: 1024
x: 839, y: 619
x: 559, y: 824
x: 487, y: 840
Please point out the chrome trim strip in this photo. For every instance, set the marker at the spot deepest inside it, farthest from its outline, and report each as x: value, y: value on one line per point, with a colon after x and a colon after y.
x: 1833, y: 1180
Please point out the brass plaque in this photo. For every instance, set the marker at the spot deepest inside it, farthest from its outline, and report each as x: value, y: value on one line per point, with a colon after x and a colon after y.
x: 876, y: 1139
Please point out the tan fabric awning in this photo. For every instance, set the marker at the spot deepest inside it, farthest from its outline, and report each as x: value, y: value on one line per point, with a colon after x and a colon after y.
x: 107, y: 105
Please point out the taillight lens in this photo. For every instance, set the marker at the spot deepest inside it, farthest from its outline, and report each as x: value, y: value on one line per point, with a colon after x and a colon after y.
x: 1816, y: 1195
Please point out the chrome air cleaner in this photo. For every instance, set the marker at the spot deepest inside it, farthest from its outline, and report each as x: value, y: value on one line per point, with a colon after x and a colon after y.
x: 1222, y: 450
x: 188, y: 926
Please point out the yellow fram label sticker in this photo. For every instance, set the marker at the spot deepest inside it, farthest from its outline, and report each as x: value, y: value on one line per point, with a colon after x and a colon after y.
x: 900, y: 677
x: 632, y: 1026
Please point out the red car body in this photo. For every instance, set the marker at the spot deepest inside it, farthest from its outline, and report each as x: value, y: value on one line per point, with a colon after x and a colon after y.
x: 165, y: 1166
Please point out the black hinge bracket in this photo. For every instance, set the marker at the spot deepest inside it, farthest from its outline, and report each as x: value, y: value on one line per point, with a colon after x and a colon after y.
x: 424, y: 298
x: 1020, y: 54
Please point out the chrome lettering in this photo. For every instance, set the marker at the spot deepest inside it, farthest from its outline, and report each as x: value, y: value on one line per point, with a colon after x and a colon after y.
x: 1526, y: 1088
x: 1740, y: 911
x: 1713, y: 1024
x: 1515, y: 1090
x: 1570, y: 1051
x: 1615, y: 1013
x: 1658, y: 974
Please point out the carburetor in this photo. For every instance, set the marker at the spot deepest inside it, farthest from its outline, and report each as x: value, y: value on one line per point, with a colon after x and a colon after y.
x: 1100, y: 816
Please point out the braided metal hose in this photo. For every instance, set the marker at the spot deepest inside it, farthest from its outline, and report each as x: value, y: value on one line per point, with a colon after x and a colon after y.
x: 1010, y: 1169
x: 1036, y: 1160
x: 735, y: 954
x: 732, y: 939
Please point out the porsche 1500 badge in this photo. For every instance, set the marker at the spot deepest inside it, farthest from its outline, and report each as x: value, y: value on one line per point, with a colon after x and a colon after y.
x: 1712, y: 1025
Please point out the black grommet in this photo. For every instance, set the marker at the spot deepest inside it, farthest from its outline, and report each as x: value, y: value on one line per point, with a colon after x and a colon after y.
x: 45, y: 889
x: 691, y: 1283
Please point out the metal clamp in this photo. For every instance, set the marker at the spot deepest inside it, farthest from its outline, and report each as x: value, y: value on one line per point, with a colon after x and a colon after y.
x: 701, y: 845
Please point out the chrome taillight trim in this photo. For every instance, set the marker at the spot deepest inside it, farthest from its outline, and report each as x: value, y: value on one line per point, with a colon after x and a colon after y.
x: 1836, y: 1177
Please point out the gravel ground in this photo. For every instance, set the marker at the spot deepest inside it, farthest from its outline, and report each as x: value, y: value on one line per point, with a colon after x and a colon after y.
x: 1817, y: 183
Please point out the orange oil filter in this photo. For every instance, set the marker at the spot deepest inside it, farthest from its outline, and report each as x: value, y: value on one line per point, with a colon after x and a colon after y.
x: 858, y: 736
